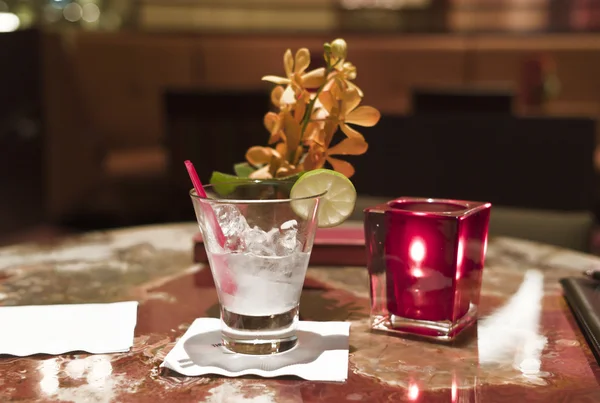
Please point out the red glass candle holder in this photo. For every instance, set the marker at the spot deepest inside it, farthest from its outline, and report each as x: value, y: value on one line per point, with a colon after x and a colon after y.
x: 425, y: 261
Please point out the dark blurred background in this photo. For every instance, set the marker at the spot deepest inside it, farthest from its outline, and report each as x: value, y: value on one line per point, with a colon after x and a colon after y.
x: 102, y: 100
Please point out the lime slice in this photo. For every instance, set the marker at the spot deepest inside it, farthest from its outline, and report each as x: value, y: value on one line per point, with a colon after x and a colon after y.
x: 336, y: 205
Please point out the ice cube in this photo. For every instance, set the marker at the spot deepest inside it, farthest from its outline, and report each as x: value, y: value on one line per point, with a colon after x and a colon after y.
x: 285, y: 238
x: 234, y: 225
x: 259, y: 242
x: 231, y: 219
x: 290, y: 224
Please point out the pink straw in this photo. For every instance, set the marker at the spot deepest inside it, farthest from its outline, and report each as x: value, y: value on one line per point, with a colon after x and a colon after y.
x: 195, y: 179
x: 208, y: 211
x: 219, y: 262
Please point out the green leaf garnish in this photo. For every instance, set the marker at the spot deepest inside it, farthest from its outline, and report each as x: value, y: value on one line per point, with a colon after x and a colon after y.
x: 243, y: 169
x: 225, y: 184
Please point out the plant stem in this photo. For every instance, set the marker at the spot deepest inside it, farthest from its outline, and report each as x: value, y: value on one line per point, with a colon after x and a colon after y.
x: 311, y: 105
x: 306, y: 119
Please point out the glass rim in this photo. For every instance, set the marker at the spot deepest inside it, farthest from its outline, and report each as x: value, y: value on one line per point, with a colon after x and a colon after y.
x: 193, y: 194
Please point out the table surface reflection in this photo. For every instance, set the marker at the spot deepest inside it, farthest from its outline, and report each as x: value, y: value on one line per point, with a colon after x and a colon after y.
x: 526, y: 347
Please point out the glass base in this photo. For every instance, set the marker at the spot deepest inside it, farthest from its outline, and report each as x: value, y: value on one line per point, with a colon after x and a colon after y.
x: 262, y: 347
x: 444, y: 331
x: 259, y: 335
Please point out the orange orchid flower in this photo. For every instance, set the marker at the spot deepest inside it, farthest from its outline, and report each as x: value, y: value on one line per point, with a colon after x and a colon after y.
x: 303, y: 126
x: 296, y: 79
x: 320, y: 154
x: 347, y: 111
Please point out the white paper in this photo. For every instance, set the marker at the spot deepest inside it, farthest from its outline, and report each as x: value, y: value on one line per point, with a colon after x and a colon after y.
x: 57, y: 329
x: 320, y: 355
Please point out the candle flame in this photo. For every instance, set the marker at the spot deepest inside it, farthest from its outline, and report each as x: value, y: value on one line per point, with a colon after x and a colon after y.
x: 417, y: 250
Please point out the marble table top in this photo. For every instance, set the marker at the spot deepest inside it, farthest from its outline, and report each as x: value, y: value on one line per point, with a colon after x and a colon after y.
x: 526, y: 347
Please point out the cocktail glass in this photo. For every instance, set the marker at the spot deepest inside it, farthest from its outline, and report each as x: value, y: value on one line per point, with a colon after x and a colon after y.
x: 258, y: 248
x: 425, y: 260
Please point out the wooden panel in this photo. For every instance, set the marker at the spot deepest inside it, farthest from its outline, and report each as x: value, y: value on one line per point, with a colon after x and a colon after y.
x: 497, y: 61
x: 578, y: 71
x: 387, y: 67
x: 577, y: 60
x: 22, y: 134
x: 387, y: 78
x: 239, y: 63
x: 122, y: 78
x: 72, y: 149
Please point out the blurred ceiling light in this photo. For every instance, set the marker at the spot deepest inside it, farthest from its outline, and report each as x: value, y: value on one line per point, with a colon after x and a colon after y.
x: 386, y: 4
x: 9, y: 22
x: 91, y: 12
x: 72, y: 12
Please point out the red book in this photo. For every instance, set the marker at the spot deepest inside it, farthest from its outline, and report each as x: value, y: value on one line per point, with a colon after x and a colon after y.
x: 337, y: 246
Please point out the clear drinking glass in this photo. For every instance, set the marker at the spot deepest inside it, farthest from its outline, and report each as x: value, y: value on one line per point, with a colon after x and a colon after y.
x: 258, y: 249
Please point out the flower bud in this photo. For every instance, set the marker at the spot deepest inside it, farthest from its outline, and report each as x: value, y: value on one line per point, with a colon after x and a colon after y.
x: 339, y: 49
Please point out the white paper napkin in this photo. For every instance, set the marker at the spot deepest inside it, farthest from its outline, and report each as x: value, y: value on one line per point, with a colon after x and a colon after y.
x: 320, y: 355
x: 57, y: 329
